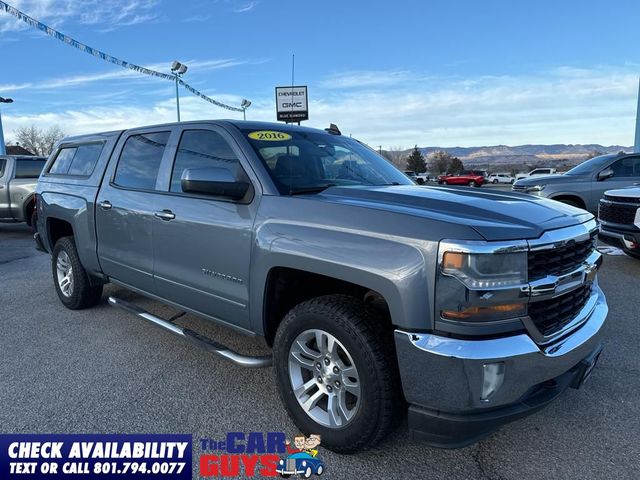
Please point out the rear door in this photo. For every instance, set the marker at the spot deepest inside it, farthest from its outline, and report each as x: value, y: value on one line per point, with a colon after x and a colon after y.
x: 125, y: 207
x: 202, y: 244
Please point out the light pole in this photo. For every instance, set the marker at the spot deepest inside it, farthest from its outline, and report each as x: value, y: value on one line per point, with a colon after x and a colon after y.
x: 244, y: 105
x: 178, y: 69
x: 3, y: 150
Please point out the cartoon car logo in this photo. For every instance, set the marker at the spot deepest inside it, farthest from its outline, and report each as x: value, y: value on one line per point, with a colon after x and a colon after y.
x: 300, y: 464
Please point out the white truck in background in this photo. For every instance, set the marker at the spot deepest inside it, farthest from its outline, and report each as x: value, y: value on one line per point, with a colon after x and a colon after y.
x: 537, y: 171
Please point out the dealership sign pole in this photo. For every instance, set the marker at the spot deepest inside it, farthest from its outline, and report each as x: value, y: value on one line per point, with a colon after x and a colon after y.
x: 292, y: 103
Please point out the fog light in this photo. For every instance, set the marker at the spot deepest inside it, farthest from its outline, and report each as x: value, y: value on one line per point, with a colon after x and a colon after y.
x: 492, y: 378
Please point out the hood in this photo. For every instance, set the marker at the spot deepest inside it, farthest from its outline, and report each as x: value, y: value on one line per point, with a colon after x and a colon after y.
x: 629, y: 192
x: 545, y: 179
x: 494, y: 215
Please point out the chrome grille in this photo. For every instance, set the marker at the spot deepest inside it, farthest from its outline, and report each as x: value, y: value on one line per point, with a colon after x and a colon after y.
x: 560, y: 260
x: 550, y: 316
x: 620, y: 213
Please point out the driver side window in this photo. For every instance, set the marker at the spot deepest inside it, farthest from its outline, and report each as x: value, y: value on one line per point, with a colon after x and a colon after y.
x: 626, y: 167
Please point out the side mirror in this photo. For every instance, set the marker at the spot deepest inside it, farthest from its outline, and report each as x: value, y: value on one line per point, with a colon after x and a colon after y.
x: 215, y: 181
x: 604, y: 174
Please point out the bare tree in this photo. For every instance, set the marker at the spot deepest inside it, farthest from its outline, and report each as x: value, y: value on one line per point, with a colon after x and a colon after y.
x: 396, y: 156
x: 38, y: 140
x: 440, y: 161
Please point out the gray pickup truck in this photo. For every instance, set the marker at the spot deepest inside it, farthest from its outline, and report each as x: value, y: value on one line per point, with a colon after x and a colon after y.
x: 473, y: 308
x: 18, y: 178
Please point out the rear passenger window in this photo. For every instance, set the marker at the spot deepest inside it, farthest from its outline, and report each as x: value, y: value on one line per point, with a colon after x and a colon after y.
x: 140, y: 160
x: 203, y: 148
x: 63, y: 161
x: 29, y: 168
x: 77, y: 161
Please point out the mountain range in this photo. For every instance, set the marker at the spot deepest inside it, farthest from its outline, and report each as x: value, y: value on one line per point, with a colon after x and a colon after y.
x: 557, y: 155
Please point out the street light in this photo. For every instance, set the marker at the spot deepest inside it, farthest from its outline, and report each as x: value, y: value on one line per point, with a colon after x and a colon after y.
x: 178, y: 69
x: 244, y: 105
x: 3, y: 150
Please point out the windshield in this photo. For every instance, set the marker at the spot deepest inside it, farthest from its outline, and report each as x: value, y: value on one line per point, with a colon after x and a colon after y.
x: 307, y: 162
x: 590, y: 166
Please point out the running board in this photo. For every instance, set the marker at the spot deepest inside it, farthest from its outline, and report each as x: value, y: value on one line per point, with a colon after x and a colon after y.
x: 194, y: 337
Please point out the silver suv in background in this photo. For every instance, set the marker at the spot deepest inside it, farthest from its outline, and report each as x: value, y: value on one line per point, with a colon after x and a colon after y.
x: 584, y: 185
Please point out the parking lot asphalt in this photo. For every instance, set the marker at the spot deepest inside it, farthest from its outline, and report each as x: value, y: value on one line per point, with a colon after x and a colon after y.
x: 104, y: 371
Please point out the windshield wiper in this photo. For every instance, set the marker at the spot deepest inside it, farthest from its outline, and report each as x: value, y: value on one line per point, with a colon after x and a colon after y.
x: 316, y: 189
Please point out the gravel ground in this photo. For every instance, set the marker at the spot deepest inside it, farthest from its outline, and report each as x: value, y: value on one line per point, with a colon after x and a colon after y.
x: 104, y: 371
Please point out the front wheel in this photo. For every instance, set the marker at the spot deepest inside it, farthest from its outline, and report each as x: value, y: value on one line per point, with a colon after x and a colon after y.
x: 70, y: 278
x: 337, y: 372
x: 495, y: 180
x: 472, y: 183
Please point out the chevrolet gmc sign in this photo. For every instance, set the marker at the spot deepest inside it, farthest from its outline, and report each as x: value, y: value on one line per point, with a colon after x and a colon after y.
x: 291, y: 104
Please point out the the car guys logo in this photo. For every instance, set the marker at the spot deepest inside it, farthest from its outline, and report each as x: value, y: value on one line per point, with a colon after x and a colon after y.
x: 260, y: 454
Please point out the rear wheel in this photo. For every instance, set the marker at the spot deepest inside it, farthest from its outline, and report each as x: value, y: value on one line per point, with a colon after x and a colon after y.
x: 337, y: 372
x: 70, y: 278
x: 34, y: 220
x: 472, y: 183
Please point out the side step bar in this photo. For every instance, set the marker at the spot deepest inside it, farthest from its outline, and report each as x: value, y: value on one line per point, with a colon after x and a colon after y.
x: 194, y: 337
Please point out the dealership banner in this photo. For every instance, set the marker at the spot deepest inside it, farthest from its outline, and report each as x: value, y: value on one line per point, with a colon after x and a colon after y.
x: 109, y: 456
x: 32, y: 22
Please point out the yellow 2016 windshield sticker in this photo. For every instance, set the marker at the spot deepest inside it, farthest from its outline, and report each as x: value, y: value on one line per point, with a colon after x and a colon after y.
x: 269, y: 135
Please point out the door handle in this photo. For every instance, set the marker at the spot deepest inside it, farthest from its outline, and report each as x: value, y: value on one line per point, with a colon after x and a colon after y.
x: 105, y: 205
x: 165, y: 215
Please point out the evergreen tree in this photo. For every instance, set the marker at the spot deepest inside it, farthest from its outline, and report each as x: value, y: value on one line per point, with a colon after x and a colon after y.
x: 416, y: 162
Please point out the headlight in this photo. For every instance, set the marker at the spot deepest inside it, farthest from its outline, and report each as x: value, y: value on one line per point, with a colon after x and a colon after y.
x: 304, y: 463
x: 535, y: 188
x: 486, y: 270
x: 480, y: 283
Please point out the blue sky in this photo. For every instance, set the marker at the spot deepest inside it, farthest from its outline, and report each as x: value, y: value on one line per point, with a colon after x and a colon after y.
x: 391, y: 73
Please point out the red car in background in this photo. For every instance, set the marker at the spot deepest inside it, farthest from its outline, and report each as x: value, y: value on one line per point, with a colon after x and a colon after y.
x: 472, y: 179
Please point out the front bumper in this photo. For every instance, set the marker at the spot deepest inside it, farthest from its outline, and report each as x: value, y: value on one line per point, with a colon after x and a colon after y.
x: 443, y: 377
x: 624, y: 236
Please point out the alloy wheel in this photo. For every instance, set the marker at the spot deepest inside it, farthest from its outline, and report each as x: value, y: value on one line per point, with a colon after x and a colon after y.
x: 324, y: 378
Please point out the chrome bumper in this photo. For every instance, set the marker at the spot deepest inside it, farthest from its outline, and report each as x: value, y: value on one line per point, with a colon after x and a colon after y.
x: 447, y: 374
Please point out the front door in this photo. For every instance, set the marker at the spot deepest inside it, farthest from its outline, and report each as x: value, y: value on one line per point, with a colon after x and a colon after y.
x: 202, y: 244
x: 626, y: 172
x: 125, y: 209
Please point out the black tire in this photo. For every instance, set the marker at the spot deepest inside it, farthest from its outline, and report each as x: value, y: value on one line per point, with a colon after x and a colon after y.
x: 570, y: 202
x: 495, y: 180
x: 632, y: 254
x: 82, y: 293
x: 34, y: 221
x: 472, y: 183
x: 359, y: 328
